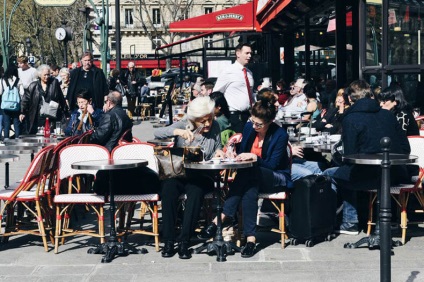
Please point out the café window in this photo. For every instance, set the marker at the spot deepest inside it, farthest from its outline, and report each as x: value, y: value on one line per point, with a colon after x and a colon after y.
x: 156, y: 17
x: 405, y: 33
x: 373, y: 33
x: 208, y: 41
x: 156, y: 42
x: 129, y: 21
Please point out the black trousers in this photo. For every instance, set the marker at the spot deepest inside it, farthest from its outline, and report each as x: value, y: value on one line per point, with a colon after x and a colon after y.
x: 195, y: 188
x: 238, y: 120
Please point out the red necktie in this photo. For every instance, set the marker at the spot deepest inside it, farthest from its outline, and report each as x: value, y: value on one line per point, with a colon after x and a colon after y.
x: 248, y: 86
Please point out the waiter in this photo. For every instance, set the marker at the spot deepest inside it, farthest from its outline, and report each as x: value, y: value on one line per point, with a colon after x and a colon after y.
x: 236, y: 82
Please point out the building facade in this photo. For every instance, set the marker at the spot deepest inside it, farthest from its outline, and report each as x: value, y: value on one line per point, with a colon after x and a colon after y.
x: 145, y: 25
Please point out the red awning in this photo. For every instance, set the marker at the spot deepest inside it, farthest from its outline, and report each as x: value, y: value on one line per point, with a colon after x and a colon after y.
x: 267, y: 11
x: 237, y: 18
x: 145, y: 64
x: 332, y: 23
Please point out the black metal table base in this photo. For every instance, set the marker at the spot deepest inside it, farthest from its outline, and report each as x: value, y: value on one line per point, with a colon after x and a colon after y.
x: 219, y: 247
x: 372, y: 241
x: 113, y: 249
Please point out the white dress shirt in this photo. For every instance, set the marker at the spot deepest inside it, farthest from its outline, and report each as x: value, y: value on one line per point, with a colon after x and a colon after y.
x: 27, y: 76
x: 232, y: 83
x: 296, y: 105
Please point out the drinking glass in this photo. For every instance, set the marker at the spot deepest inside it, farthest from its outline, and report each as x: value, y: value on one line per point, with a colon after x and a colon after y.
x: 203, y: 149
x: 326, y: 137
x: 416, y: 112
x: 290, y: 131
x: 59, y: 127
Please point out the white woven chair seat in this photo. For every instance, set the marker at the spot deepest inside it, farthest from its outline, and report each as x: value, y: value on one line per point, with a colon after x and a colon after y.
x: 79, y: 198
x: 137, y: 198
x: 396, y: 189
x: 273, y: 196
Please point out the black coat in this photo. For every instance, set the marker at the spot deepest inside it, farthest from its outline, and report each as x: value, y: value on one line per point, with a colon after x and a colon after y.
x: 100, y: 87
x: 364, y: 125
x: 333, y: 117
x: 126, y: 80
x: 111, y: 127
x: 31, y: 101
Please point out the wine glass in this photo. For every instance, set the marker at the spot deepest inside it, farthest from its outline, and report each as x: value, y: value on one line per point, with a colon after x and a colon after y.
x: 203, y: 149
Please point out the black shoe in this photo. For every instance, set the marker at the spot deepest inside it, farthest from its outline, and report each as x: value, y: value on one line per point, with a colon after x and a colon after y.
x: 183, y: 251
x: 208, y: 232
x: 168, y: 250
x: 248, y: 250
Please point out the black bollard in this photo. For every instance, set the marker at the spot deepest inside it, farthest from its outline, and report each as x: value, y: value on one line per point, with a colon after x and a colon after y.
x: 385, y: 213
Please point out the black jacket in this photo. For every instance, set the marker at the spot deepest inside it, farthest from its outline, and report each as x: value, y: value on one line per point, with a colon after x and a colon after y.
x: 126, y: 80
x: 100, y: 87
x: 364, y: 125
x: 111, y: 127
x: 333, y: 117
x: 31, y: 101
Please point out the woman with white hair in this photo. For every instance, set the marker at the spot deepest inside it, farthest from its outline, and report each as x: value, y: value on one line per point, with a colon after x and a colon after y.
x: 48, y: 88
x: 65, y: 76
x: 199, y: 118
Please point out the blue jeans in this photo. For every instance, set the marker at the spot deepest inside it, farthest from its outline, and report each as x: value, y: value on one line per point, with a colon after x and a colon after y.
x: 8, y: 115
x: 304, y: 168
x: 350, y: 213
x: 1, y: 122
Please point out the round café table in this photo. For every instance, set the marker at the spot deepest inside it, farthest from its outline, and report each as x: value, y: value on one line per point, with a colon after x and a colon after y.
x: 161, y: 142
x: 29, y: 143
x: 20, y: 150
x: 287, y: 122
x: 112, y: 247
x: 6, y: 159
x: 218, y: 246
x: 382, y: 239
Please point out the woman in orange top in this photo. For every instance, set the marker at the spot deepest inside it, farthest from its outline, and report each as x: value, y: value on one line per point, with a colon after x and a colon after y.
x: 265, y: 142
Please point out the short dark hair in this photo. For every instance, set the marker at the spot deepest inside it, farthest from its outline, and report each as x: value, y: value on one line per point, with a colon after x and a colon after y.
x: 220, y: 101
x: 394, y: 93
x: 208, y: 85
x: 241, y: 45
x: 83, y: 94
x: 22, y: 59
x: 358, y: 89
x: 54, y: 67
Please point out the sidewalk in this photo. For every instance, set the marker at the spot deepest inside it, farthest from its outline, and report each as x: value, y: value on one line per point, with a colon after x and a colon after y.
x: 23, y: 258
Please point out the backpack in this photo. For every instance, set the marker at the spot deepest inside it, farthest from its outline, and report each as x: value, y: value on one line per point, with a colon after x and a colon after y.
x: 11, y: 100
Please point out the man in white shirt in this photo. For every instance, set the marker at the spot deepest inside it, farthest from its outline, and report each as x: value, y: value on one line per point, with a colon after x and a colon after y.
x: 27, y: 74
x: 236, y: 82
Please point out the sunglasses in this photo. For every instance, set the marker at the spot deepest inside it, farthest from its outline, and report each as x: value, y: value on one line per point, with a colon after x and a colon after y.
x: 255, y: 124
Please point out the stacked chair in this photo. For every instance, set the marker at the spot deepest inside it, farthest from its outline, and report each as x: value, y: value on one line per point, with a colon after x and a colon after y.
x: 30, y: 195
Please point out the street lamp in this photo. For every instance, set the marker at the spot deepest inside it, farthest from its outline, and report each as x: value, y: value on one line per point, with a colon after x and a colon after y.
x: 28, y: 45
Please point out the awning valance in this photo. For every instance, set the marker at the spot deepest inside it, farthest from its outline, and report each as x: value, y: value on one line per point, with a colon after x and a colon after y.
x: 237, y: 18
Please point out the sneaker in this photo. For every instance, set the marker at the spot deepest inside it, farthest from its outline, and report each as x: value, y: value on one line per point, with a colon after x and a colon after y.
x: 348, y: 228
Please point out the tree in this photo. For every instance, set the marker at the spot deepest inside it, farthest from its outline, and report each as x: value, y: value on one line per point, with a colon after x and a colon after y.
x: 171, y: 11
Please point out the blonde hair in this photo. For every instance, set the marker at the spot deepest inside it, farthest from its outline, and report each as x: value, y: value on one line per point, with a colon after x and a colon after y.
x: 197, y: 108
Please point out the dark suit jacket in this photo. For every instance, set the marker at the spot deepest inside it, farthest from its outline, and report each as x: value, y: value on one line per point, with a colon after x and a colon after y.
x: 364, y: 125
x: 274, y: 149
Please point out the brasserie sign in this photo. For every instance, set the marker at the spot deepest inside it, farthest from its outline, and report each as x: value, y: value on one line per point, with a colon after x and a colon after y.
x: 54, y: 2
x: 229, y: 16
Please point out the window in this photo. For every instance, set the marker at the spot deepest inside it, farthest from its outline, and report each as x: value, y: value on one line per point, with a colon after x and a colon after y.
x: 156, y: 16
x: 156, y: 42
x: 129, y: 21
x: 208, y: 10
x: 208, y: 41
